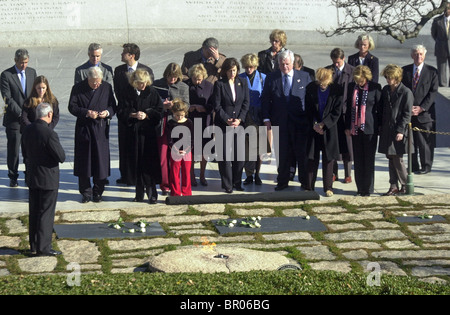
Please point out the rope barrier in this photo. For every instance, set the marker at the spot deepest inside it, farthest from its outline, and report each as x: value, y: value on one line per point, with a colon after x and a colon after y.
x: 432, y: 132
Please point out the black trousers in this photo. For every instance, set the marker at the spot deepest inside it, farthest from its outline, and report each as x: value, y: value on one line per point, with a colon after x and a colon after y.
x: 42, y: 204
x: 232, y: 165
x: 292, y: 145
x: 86, y: 189
x: 423, y: 146
x: 364, y: 151
x: 313, y: 166
x: 13, y: 137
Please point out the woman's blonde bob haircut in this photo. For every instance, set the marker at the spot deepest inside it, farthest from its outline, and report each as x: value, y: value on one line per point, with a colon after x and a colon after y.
x: 362, y: 72
x: 364, y: 37
x: 140, y: 76
x: 393, y: 72
x: 250, y: 60
x: 198, y: 71
x: 324, y: 76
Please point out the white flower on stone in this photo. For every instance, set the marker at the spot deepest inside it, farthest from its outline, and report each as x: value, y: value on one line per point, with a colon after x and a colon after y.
x: 307, y: 217
x: 142, y: 225
x: 117, y: 226
x: 259, y: 218
x: 405, y: 215
x: 253, y: 219
x: 234, y: 221
x: 131, y: 230
x: 257, y: 224
x: 231, y: 225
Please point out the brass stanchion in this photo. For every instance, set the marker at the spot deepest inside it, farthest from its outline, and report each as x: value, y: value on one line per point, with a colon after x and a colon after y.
x: 410, y: 183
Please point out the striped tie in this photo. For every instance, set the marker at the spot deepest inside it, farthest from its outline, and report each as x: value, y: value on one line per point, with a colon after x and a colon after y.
x: 416, y: 79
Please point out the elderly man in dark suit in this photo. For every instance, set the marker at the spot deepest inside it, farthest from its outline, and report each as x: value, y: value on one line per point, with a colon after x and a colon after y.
x: 16, y: 85
x: 209, y: 56
x: 423, y: 81
x: 92, y: 103
x: 131, y: 54
x: 43, y: 153
x: 95, y: 52
x: 283, y: 106
x: 440, y: 31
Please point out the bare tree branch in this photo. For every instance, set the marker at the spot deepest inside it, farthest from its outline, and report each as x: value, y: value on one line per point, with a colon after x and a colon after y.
x: 401, y: 20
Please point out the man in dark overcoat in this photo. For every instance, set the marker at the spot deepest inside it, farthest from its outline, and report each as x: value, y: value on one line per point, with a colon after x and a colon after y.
x: 43, y: 153
x: 92, y: 102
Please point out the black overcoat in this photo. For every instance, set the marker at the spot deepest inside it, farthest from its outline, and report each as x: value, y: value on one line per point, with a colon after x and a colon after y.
x: 92, y: 156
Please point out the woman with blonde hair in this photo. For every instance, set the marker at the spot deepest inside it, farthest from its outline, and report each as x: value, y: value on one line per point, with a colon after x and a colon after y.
x: 362, y: 123
x: 41, y: 93
x: 142, y: 112
x: 323, y: 106
x: 365, y: 43
x: 268, y: 59
x: 255, y: 81
x: 397, y: 102
x: 200, y: 111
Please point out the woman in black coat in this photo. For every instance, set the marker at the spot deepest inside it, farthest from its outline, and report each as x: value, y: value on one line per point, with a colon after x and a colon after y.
x: 396, y: 115
x: 323, y: 105
x: 231, y: 102
x: 362, y: 123
x: 363, y: 57
x: 200, y: 112
x: 143, y: 111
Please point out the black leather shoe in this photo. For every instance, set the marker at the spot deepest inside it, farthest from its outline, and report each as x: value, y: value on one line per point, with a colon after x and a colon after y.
x: 392, y: 192
x: 138, y: 199
x: 121, y: 181
x: 13, y: 183
x: 152, y: 200
x: 248, y: 180
x: 238, y: 187
x: 203, y: 182
x: 228, y: 190
x: 85, y: 199
x: 423, y: 171
x: 258, y: 180
x: 281, y: 187
x: 97, y: 198
x: 52, y: 252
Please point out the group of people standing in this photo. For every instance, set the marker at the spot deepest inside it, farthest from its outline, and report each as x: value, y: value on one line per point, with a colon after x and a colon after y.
x: 338, y: 111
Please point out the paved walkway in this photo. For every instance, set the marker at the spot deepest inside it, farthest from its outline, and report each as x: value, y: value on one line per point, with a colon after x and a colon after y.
x: 359, y: 230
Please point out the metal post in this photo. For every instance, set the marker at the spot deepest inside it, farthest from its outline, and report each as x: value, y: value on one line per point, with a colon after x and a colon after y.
x: 410, y: 183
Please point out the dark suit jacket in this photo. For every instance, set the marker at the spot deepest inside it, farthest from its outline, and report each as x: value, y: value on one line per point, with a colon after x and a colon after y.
x: 13, y: 95
x: 82, y: 71
x: 439, y: 34
x: 121, y: 80
x: 426, y: 90
x: 223, y: 104
x: 373, y: 108
x: 278, y: 108
x: 265, y: 61
x: 42, y: 152
x: 330, y: 117
x: 370, y: 61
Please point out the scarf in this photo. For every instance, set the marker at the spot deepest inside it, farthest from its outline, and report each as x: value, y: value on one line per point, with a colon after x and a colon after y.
x: 359, y: 109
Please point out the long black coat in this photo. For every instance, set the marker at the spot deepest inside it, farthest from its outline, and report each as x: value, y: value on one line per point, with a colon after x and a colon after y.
x: 92, y: 156
x: 396, y: 113
x: 142, y: 134
x: 330, y: 117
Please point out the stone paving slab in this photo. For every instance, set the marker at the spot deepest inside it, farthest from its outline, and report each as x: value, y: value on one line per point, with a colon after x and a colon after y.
x: 356, y: 234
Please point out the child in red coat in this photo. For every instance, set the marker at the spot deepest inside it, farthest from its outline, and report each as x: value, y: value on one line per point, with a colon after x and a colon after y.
x: 180, y: 133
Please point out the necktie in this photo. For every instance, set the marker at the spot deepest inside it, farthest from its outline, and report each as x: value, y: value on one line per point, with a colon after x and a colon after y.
x: 130, y: 70
x: 448, y: 25
x: 287, y: 86
x: 416, y: 79
x: 23, y: 81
